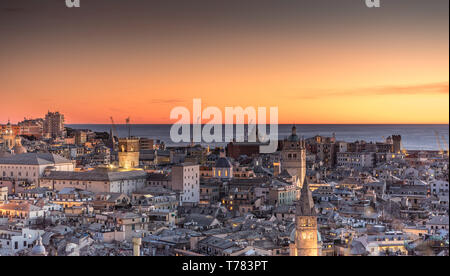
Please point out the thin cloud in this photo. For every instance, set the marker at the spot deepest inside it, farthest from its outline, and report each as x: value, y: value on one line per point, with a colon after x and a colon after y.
x: 441, y: 88
x: 433, y: 88
x: 167, y: 101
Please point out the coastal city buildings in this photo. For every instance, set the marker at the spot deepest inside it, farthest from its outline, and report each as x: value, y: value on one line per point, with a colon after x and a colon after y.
x: 83, y: 193
x: 251, y: 128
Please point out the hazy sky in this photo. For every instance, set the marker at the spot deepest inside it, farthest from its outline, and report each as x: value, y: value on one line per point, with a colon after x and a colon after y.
x: 319, y: 61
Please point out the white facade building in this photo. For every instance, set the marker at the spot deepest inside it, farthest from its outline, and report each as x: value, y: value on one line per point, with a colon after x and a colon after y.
x: 436, y: 224
x: 186, y: 181
x: 439, y: 186
x: 355, y: 159
x: 13, y: 241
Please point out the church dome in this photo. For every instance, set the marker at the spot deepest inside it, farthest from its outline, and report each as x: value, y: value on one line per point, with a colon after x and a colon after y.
x: 223, y: 162
x: 19, y: 149
x: 293, y: 137
x: 39, y: 249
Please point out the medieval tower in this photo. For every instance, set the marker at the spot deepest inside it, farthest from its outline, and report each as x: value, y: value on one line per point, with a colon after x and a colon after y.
x: 306, y: 235
x: 128, y: 153
x: 293, y: 157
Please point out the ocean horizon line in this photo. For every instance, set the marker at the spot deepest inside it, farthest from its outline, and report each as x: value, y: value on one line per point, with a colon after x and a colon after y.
x: 284, y: 124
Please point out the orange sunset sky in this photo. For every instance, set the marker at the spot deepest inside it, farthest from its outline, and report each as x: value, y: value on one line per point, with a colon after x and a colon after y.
x: 320, y: 62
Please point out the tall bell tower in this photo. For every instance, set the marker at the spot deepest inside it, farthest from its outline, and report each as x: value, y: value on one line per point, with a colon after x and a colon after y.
x: 293, y: 157
x: 9, y: 138
x: 306, y: 236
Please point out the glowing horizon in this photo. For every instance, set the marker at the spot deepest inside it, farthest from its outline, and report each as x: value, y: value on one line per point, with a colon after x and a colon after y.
x: 321, y: 63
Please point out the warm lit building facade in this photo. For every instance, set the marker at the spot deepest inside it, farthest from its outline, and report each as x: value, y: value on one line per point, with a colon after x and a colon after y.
x: 306, y: 235
x: 128, y: 153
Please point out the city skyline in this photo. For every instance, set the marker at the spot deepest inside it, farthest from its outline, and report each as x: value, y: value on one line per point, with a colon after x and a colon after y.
x: 320, y: 63
x: 242, y: 129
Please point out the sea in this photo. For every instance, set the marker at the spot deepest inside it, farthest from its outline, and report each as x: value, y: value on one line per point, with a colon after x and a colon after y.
x: 414, y: 137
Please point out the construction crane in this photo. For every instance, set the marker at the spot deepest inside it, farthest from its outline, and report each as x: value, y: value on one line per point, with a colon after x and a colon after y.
x: 438, y: 140
x: 446, y: 145
x: 114, y: 132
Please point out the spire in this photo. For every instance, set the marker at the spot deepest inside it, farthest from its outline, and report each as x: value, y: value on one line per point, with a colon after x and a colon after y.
x: 305, y: 206
x: 294, y: 130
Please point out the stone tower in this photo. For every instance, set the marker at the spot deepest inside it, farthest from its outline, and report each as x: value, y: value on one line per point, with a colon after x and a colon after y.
x: 128, y: 153
x: 9, y: 138
x: 306, y: 236
x: 293, y: 157
x: 397, y: 141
